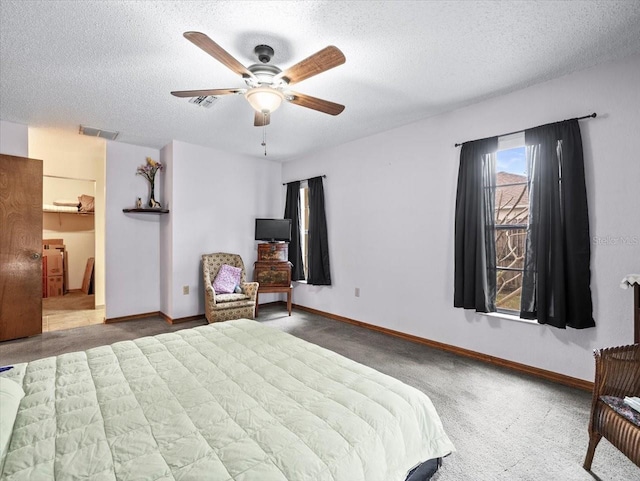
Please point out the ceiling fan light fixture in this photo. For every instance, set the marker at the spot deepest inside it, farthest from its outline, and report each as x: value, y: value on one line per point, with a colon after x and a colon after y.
x: 264, y: 99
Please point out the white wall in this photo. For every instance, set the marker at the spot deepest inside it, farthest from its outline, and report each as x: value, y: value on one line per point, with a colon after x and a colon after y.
x: 132, y: 243
x: 214, y: 199
x: 14, y: 139
x: 166, y: 231
x: 390, y: 202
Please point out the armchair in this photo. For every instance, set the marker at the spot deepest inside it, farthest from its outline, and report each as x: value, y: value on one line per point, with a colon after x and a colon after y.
x: 617, y: 376
x: 224, y: 307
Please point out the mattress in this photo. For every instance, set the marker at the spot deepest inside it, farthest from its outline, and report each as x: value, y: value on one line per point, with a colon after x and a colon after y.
x: 227, y: 401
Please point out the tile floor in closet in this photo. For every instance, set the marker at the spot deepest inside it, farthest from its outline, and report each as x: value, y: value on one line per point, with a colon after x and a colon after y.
x: 74, y: 309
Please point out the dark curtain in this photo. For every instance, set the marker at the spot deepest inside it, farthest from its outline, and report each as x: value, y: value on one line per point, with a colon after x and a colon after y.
x: 475, y: 245
x: 318, y: 268
x: 555, y: 284
x: 292, y: 211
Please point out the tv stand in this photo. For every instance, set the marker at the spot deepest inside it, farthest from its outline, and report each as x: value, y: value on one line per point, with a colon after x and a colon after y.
x: 272, y: 271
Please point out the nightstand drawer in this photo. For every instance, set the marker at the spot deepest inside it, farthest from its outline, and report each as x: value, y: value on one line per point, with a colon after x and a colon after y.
x: 272, y: 273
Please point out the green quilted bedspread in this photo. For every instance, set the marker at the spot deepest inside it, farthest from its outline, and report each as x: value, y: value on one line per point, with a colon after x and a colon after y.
x: 227, y: 401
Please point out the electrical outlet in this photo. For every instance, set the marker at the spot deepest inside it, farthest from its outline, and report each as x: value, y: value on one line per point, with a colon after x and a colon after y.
x: 185, y: 290
x: 357, y: 292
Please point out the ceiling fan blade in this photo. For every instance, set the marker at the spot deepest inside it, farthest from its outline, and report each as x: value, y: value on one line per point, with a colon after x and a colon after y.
x: 319, y: 62
x: 204, y: 93
x: 314, y: 103
x: 216, y: 51
x: 261, y: 119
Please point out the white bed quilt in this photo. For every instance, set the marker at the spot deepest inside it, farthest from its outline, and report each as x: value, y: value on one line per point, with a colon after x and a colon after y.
x: 229, y: 401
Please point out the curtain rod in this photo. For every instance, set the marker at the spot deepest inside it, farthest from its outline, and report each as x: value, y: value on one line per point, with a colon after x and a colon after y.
x: 590, y: 116
x: 302, y: 180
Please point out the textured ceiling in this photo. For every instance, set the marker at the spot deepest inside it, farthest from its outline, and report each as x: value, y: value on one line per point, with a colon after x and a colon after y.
x: 111, y: 64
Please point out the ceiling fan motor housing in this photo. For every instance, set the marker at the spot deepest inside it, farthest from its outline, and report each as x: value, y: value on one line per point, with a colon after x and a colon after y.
x: 264, y: 74
x: 264, y: 53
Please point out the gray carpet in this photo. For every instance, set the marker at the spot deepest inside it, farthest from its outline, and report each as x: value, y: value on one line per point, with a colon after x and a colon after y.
x: 506, y: 426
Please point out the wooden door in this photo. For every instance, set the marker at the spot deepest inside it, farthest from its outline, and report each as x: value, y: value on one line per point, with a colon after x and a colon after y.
x: 20, y: 247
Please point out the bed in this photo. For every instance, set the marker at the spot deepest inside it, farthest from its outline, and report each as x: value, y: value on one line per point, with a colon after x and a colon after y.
x: 228, y: 401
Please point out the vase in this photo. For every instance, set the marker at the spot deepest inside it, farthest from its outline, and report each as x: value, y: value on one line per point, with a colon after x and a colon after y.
x: 152, y: 200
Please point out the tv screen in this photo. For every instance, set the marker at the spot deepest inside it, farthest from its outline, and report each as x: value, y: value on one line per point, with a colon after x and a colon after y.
x: 273, y: 230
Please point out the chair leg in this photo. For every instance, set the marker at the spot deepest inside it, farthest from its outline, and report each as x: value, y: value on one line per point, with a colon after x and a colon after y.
x: 594, y: 439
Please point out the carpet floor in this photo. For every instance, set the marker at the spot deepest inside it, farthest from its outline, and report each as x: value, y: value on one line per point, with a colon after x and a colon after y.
x: 505, y: 425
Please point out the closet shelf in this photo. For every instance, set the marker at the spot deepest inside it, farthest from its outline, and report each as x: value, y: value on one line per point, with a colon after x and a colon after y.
x: 47, y: 211
x: 147, y: 211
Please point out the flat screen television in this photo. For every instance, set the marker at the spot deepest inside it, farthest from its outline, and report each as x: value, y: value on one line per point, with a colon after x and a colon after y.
x: 273, y: 230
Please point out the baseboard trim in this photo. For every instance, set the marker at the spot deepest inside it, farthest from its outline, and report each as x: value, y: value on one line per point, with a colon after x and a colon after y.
x: 168, y: 319
x: 179, y: 320
x: 132, y: 317
x: 145, y: 315
x: 516, y: 366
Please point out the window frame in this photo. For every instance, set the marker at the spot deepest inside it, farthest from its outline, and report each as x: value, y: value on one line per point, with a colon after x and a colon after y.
x: 509, y: 142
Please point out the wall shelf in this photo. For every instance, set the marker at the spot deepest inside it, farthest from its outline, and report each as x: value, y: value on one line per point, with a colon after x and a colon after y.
x: 147, y: 211
x: 83, y: 214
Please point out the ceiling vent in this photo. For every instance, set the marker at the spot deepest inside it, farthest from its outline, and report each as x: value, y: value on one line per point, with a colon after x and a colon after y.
x: 204, y: 101
x: 93, y: 132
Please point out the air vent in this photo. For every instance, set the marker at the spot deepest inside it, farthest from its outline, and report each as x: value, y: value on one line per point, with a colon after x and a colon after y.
x: 93, y: 132
x: 205, y: 101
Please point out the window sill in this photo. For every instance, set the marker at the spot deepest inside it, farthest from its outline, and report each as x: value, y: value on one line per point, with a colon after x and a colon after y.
x: 509, y: 317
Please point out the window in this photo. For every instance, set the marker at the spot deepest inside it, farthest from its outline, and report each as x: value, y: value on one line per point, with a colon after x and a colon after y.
x: 539, y: 220
x: 511, y: 220
x: 304, y: 226
x: 309, y: 248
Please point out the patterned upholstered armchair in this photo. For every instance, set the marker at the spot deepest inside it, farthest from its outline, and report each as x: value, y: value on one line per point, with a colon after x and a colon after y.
x: 617, y: 376
x: 224, y: 307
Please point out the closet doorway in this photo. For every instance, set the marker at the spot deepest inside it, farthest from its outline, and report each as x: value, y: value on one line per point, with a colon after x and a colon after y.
x: 69, y: 246
x: 73, y: 230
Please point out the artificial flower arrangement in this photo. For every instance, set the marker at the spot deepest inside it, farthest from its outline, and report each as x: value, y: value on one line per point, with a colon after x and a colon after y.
x: 149, y: 169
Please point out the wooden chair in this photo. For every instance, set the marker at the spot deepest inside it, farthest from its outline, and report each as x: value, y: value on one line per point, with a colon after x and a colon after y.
x: 617, y: 376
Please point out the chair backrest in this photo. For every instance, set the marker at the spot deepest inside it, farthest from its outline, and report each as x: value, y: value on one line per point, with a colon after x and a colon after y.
x: 618, y: 370
x: 211, y: 264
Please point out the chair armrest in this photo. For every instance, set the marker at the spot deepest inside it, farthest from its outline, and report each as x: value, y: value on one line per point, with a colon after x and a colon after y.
x: 250, y: 289
x: 617, y: 371
x: 209, y: 294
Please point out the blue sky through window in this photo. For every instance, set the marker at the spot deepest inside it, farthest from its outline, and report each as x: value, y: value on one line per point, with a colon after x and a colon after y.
x: 512, y: 160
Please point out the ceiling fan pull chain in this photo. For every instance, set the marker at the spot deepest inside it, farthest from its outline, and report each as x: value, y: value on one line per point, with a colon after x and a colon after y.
x: 264, y: 132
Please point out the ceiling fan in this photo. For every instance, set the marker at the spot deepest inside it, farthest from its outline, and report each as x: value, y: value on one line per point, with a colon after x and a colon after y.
x: 268, y: 85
